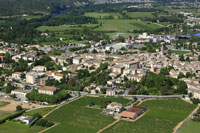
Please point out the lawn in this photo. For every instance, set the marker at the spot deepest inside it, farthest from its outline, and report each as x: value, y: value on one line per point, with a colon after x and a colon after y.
x: 179, y: 52
x: 162, y: 116
x: 41, y: 111
x: 14, y: 127
x: 119, y: 25
x: 76, y: 117
x: 191, y: 127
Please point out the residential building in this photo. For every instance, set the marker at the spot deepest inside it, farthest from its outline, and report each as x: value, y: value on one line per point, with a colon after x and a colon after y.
x: 49, y: 90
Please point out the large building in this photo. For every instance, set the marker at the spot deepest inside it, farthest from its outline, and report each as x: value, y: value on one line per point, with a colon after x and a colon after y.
x: 31, y: 78
x: 49, y: 90
x: 20, y: 93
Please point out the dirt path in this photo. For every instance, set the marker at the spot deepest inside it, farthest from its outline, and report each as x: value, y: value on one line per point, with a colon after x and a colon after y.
x: 108, y: 126
x: 182, y: 123
x: 49, y: 128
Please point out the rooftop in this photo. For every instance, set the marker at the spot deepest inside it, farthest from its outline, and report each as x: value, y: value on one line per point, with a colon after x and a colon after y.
x: 49, y: 88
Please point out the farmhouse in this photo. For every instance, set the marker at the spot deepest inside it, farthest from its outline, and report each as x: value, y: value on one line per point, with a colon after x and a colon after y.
x: 137, y: 110
x: 49, y: 90
x: 114, y: 107
x: 128, y: 115
x: 28, y: 119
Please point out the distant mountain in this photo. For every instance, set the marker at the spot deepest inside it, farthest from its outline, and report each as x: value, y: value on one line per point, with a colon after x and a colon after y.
x: 16, y: 7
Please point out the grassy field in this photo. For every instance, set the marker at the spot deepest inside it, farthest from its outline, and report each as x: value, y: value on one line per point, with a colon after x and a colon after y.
x: 102, y: 15
x: 41, y: 111
x: 14, y: 127
x: 191, y: 127
x: 4, y: 114
x: 3, y: 103
x: 161, y: 117
x: 119, y: 25
x: 77, y: 117
x: 140, y: 14
x: 64, y: 27
x: 29, y: 17
x: 179, y: 52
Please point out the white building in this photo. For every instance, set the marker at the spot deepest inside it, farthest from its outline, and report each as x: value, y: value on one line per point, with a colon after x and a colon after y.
x: 40, y: 69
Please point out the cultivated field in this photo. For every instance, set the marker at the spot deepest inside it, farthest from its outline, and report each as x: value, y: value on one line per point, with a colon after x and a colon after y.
x: 191, y: 127
x: 64, y: 27
x: 77, y: 117
x: 41, y: 111
x: 102, y: 15
x: 140, y: 14
x: 162, y: 117
x: 126, y: 25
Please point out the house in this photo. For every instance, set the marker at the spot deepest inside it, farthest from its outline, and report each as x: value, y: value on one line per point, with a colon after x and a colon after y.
x: 128, y: 115
x: 58, y: 76
x: 20, y: 93
x: 114, y: 107
x: 110, y: 92
x: 16, y: 75
x: 77, y: 60
x: 49, y: 90
x: 42, y: 81
x: 28, y: 120
x: 39, y: 69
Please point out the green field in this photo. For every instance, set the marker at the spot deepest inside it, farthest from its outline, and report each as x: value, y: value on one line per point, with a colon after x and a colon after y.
x: 191, y: 127
x: 29, y: 17
x: 41, y: 111
x: 140, y: 14
x: 118, y: 25
x: 179, y: 52
x: 64, y: 27
x: 102, y: 15
x: 14, y: 127
x: 76, y: 117
x: 161, y: 117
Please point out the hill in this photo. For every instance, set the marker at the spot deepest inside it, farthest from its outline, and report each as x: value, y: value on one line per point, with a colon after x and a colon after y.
x: 18, y: 7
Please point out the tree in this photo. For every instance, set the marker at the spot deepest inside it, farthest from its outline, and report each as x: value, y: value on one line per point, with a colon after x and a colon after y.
x: 19, y: 108
x: 190, y: 95
x: 199, y: 58
x: 181, y: 75
x: 181, y: 58
x: 37, y: 115
x: 9, y: 88
x: 182, y: 87
x: 189, y: 75
x: 164, y: 71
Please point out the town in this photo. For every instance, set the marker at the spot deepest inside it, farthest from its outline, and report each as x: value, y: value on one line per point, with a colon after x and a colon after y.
x: 114, y: 67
